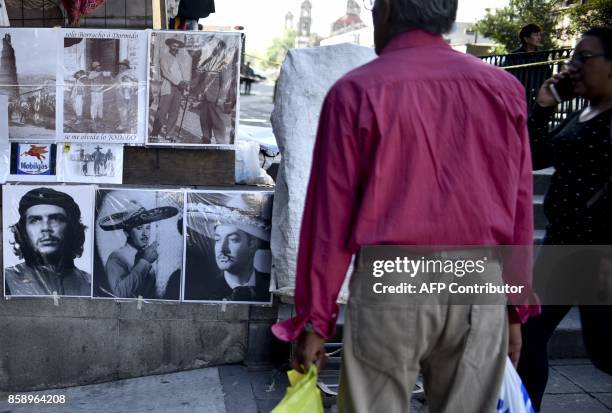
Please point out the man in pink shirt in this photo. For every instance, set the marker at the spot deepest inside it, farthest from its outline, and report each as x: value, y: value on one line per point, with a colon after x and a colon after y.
x: 422, y: 146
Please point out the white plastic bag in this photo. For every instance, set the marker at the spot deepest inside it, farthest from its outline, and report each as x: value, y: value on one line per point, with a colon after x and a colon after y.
x: 513, y: 397
x: 247, y: 162
x: 248, y: 170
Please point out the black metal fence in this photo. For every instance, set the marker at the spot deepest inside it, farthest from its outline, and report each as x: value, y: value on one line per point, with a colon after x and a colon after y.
x: 532, y: 69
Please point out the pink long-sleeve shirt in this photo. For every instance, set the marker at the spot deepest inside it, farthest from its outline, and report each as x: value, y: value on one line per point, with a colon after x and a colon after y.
x: 422, y: 146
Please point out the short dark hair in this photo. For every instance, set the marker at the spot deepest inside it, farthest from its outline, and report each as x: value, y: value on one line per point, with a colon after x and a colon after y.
x: 74, y: 238
x: 436, y: 16
x: 604, y: 35
x: 528, y: 30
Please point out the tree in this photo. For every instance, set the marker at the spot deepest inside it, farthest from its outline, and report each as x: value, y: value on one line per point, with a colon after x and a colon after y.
x: 279, y: 48
x: 504, y: 24
x: 590, y: 14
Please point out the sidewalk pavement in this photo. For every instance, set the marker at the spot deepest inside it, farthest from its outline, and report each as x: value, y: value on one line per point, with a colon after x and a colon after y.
x: 574, y: 386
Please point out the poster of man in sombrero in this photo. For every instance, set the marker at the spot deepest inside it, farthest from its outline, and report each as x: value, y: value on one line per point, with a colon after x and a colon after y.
x: 103, y: 93
x: 193, y: 88
x: 227, y: 246
x: 138, y: 244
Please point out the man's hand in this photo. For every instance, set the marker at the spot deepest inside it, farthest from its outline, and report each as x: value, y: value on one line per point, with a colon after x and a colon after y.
x: 310, y: 349
x: 149, y: 253
x: 515, y: 342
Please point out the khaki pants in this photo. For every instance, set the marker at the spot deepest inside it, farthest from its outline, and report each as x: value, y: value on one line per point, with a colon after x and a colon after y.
x: 461, y: 351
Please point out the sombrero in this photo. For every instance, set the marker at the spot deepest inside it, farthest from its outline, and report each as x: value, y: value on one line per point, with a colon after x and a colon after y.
x: 174, y: 40
x: 136, y: 215
x: 202, y: 216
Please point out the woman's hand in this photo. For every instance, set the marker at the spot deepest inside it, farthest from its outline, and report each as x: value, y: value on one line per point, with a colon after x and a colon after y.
x: 545, y: 97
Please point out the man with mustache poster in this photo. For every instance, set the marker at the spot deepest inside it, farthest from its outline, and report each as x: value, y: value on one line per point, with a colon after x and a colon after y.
x: 129, y: 228
x: 50, y: 239
x: 227, y: 247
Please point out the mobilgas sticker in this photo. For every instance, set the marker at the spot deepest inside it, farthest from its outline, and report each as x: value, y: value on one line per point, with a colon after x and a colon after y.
x: 33, y: 160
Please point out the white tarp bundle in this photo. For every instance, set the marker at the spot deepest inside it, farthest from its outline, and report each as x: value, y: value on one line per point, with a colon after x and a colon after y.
x: 4, y: 20
x: 305, y: 78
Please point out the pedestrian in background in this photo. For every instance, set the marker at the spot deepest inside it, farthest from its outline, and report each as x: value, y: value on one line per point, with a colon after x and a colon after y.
x: 578, y: 204
x: 530, y: 37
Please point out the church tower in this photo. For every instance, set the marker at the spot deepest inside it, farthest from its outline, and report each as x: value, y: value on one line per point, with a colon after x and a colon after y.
x: 353, y: 8
x: 288, y: 21
x: 305, y: 19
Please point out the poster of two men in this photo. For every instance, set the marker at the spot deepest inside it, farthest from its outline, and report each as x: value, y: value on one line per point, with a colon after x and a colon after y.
x: 193, y: 88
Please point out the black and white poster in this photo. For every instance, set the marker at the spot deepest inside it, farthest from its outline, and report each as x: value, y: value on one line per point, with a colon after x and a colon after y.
x: 102, y: 98
x: 227, y: 246
x: 28, y: 62
x: 193, y: 88
x: 33, y: 162
x: 90, y: 162
x: 47, y: 238
x: 138, y: 244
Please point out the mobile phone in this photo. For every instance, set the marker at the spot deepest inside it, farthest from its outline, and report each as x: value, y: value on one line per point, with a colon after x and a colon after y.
x: 562, y: 90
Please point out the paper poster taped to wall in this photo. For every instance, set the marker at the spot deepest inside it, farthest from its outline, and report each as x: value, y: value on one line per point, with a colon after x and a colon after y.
x: 47, y: 238
x: 227, y: 247
x: 28, y: 79
x: 33, y: 162
x: 193, y: 88
x: 102, y: 98
x: 138, y: 244
x: 90, y: 162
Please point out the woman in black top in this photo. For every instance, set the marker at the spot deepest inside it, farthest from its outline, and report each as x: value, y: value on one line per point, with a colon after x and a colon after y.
x: 578, y: 204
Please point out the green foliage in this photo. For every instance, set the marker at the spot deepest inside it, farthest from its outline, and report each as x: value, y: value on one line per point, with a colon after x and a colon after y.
x: 504, y: 24
x: 498, y: 49
x: 279, y: 48
x: 591, y: 14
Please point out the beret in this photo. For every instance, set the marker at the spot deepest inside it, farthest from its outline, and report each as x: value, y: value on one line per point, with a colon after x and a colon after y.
x: 49, y: 196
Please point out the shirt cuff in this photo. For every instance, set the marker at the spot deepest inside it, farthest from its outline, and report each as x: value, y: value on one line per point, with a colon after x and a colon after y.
x: 519, y: 314
x: 541, y: 113
x: 290, y: 330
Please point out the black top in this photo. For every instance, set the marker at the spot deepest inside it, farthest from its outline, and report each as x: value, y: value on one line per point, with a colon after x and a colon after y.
x: 581, y: 153
x: 196, y: 9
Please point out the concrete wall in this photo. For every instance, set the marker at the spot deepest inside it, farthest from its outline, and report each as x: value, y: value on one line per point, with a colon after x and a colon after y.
x: 83, y: 341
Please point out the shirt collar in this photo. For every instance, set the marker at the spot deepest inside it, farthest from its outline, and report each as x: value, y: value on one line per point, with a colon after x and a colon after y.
x: 415, y: 38
x: 232, y: 280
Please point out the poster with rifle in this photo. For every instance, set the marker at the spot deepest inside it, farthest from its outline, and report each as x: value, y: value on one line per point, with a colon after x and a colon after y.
x: 193, y: 85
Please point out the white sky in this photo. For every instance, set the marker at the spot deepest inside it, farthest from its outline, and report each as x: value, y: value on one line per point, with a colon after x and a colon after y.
x: 34, y: 55
x: 264, y: 20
